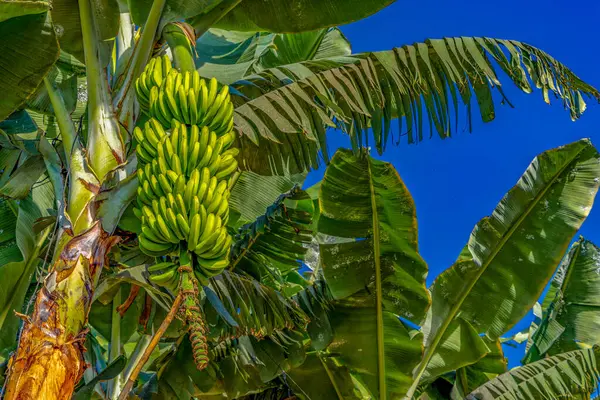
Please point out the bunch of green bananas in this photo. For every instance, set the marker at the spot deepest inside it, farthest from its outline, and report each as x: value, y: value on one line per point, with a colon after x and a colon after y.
x: 182, y: 196
x: 185, y: 168
x: 153, y: 75
x: 169, y: 95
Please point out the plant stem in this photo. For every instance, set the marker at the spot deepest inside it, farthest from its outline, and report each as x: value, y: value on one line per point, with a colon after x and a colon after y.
x: 204, y: 22
x: 63, y: 118
x: 124, y: 41
x: 115, y: 345
x: 181, y: 46
x: 151, y: 346
x: 49, y: 360
x: 137, y: 354
x: 330, y: 376
x: 105, y: 145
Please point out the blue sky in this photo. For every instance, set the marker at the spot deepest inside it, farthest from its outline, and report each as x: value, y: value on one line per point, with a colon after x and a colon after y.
x: 457, y: 181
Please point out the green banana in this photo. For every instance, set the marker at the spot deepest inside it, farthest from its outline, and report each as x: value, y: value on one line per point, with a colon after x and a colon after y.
x: 183, y: 225
x: 180, y: 204
x: 183, y: 104
x: 193, y: 106
x: 154, y: 248
x: 164, y: 277
x: 194, y: 234
x: 227, y: 170
x: 206, y: 157
x: 142, y: 155
x: 161, y: 266
x: 172, y: 219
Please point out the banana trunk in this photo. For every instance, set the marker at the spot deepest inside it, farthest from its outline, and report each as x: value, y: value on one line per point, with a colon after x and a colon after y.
x: 49, y: 360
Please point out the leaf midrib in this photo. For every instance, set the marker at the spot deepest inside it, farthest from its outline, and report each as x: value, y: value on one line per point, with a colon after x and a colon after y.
x: 454, y: 310
x: 378, y: 289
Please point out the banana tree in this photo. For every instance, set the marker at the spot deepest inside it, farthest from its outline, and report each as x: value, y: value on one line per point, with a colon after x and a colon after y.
x: 72, y: 101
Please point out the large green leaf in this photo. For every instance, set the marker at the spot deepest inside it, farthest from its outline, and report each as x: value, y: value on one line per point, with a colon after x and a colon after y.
x: 375, y: 277
x: 512, y: 254
x: 316, y: 301
x: 230, y: 56
x: 11, y: 8
x: 254, y: 336
x: 23, y: 178
x: 321, y: 378
x: 101, y: 315
x: 67, y: 22
x: 14, y: 149
x: 572, y: 375
x: 356, y: 346
x: 110, y: 372
x: 27, y: 51
x: 573, y: 316
x: 174, y: 10
x: 297, y: 15
x: 365, y: 199
x: 282, y: 112
x: 475, y: 375
x: 459, y: 338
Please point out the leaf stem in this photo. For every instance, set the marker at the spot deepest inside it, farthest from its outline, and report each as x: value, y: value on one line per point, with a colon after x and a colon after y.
x: 140, y: 347
x: 124, y: 40
x: 331, y: 377
x: 63, y: 118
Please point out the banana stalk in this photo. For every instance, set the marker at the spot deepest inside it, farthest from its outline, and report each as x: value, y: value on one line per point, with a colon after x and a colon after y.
x: 181, y: 39
x: 191, y: 312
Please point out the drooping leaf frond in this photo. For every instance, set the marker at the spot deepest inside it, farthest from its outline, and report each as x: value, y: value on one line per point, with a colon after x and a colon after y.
x: 565, y: 375
x: 230, y: 56
x: 244, y: 307
x: 253, y: 193
x: 282, y: 112
x: 273, y: 246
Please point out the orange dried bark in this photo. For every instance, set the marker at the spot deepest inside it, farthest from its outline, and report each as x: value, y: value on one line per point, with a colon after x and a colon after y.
x: 49, y: 361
